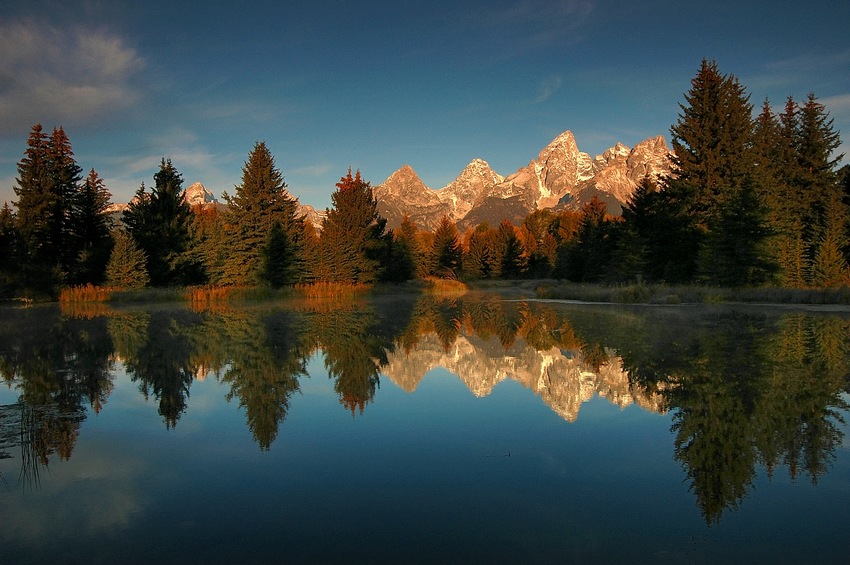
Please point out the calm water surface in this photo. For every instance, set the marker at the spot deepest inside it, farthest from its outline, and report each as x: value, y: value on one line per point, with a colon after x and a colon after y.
x: 424, y: 429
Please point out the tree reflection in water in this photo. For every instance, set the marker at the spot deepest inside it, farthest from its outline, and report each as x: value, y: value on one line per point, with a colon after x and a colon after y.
x: 744, y: 387
x: 58, y: 366
x: 265, y: 355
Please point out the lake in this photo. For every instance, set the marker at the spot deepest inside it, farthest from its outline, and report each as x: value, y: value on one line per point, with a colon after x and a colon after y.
x: 424, y: 429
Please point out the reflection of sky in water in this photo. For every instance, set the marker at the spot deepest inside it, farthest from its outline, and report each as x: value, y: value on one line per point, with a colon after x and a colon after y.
x: 426, y: 462
x: 437, y: 472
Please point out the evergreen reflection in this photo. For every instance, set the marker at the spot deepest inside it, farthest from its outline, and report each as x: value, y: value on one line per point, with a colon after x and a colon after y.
x: 745, y: 388
x: 355, y: 337
x: 266, y: 356
x: 159, y: 360
x: 58, y: 365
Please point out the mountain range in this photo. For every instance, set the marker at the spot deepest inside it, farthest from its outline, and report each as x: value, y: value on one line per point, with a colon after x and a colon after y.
x: 560, y: 378
x: 561, y: 177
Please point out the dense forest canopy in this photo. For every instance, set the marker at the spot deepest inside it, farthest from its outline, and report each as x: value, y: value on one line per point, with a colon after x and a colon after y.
x: 754, y: 198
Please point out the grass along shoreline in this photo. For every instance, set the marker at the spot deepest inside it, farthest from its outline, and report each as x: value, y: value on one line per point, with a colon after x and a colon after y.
x: 643, y: 293
x: 635, y: 293
x: 209, y: 294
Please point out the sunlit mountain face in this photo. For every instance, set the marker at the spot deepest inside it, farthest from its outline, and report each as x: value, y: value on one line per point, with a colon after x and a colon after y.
x: 560, y: 177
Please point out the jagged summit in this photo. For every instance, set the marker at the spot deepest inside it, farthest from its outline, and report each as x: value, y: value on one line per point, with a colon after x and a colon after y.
x: 561, y: 175
x: 467, y: 189
x: 197, y: 194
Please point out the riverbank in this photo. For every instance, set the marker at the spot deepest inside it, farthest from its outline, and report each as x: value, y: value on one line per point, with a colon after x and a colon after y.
x: 636, y: 293
x: 644, y: 293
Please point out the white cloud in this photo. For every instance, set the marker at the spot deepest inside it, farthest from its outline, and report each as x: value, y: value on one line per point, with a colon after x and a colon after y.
x: 63, y: 75
x: 547, y: 88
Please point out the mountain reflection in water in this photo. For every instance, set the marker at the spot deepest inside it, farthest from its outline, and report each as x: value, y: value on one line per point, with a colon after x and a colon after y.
x: 744, y: 387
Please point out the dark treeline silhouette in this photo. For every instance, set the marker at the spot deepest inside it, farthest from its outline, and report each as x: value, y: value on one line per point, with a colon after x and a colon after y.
x: 753, y: 199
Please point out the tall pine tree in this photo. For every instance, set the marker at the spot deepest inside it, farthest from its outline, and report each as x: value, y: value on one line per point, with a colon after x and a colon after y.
x: 9, y: 261
x: 773, y: 188
x: 47, y: 185
x: 354, y: 242
x: 712, y: 142
x: 159, y: 223
x: 713, y: 146
x: 257, y: 252
x: 67, y: 176
x: 446, y: 250
x: 827, y: 218
x: 90, y: 229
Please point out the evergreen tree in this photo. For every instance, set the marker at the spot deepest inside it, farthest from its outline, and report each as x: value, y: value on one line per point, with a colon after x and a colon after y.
x: 712, y: 142
x: 654, y: 236
x: 9, y: 261
x: 589, y: 256
x: 406, y: 252
x: 48, y: 178
x: 735, y: 252
x: 276, y: 262
x: 90, y: 228
x: 209, y: 242
x: 810, y: 197
x: 35, y: 197
x: 631, y: 256
x: 159, y: 223
x: 510, y: 251
x: 66, y: 177
x: 446, y: 251
x: 540, y: 243
x: 260, y: 202
x: 478, y: 260
x: 815, y: 144
x: 354, y: 242
x: 771, y: 182
x: 127, y: 267
x: 829, y: 264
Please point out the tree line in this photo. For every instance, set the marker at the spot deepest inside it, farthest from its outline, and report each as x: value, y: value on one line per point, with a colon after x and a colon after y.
x: 752, y: 199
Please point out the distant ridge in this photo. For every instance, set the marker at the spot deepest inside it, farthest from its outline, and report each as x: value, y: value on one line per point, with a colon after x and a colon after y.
x: 560, y: 177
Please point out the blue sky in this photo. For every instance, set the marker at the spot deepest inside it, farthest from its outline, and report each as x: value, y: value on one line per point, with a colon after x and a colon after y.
x: 374, y: 85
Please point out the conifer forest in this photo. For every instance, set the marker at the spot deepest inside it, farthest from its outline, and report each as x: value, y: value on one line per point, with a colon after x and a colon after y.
x: 757, y: 197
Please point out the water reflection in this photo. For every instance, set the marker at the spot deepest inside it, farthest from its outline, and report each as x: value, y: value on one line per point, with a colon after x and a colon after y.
x: 58, y: 367
x: 744, y: 388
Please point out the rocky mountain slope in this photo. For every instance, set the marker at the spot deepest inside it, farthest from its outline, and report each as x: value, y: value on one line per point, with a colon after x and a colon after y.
x: 198, y: 195
x: 194, y: 195
x: 559, y: 378
x: 560, y: 177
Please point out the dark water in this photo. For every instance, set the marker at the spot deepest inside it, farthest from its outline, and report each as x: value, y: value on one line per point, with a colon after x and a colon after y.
x: 424, y: 430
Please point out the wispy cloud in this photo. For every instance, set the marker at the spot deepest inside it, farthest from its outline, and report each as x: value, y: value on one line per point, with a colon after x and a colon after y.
x: 65, y: 74
x: 547, y: 88
x: 808, y: 61
x: 837, y: 104
x: 542, y: 22
x: 312, y: 170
